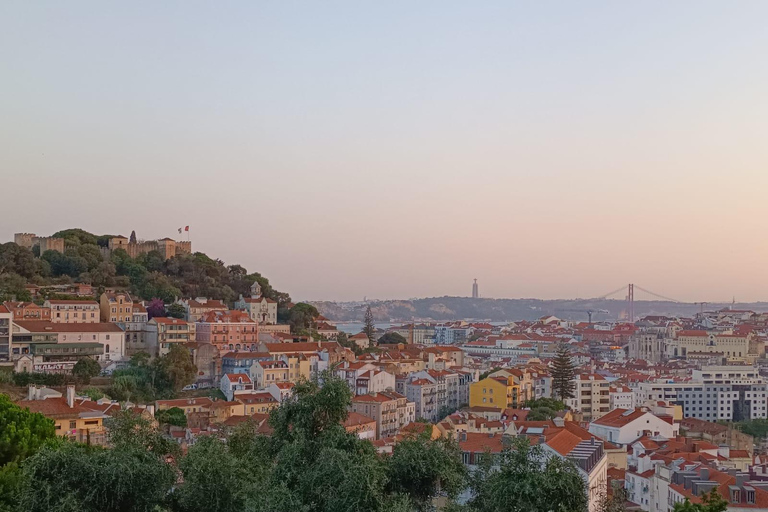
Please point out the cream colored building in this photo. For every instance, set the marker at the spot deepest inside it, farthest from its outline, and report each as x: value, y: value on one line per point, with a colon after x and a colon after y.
x: 734, y: 347
x: 73, y: 311
x: 592, y: 396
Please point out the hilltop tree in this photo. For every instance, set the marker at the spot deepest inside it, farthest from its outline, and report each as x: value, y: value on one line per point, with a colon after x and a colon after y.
x: 176, y: 310
x: 12, y: 287
x: 302, y: 315
x: 563, y: 372
x: 369, y: 329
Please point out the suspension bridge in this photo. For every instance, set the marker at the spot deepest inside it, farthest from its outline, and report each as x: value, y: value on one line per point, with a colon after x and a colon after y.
x: 629, y: 296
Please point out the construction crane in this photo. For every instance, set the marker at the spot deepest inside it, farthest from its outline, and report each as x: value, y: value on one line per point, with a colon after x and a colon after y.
x: 589, y: 312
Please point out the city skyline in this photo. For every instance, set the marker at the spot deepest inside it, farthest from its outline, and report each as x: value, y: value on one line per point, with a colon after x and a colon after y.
x: 346, y: 150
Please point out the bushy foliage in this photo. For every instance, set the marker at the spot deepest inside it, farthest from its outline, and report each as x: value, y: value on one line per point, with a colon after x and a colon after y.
x: 24, y: 379
x: 309, y: 463
x: 22, y: 433
x: 173, y: 416
x: 161, y: 378
x: 85, y: 369
x: 526, y: 478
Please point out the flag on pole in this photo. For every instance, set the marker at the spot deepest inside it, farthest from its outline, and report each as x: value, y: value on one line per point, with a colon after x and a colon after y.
x: 186, y: 228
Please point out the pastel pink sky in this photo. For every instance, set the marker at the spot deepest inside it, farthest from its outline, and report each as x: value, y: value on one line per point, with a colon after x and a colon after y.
x: 401, y: 149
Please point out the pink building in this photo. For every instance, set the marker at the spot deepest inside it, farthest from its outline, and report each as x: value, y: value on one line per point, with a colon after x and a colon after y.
x: 228, y: 330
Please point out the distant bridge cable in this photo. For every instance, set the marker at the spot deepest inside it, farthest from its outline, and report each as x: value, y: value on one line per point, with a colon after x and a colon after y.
x: 657, y: 295
x: 614, y: 292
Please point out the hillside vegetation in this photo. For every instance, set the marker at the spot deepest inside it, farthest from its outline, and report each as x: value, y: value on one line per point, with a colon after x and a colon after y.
x: 146, y: 276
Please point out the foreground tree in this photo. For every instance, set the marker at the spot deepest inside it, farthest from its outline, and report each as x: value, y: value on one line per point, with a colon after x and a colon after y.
x: 78, y: 478
x: 526, y: 478
x: 22, y: 433
x: 214, y: 479
x: 422, y: 469
x: 563, y: 372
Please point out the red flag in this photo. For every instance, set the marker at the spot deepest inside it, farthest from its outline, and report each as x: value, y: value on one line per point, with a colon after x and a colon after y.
x: 186, y: 228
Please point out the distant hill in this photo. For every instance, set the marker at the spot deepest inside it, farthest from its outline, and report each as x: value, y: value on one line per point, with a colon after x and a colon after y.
x: 502, y: 310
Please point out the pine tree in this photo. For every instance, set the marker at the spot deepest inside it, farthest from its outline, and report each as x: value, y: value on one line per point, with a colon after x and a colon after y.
x: 369, y: 329
x: 563, y: 372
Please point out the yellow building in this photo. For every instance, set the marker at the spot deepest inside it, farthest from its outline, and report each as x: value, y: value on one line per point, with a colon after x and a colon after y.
x: 501, y: 392
x: 77, y: 419
x: 116, y: 307
x: 299, y: 367
x: 265, y: 373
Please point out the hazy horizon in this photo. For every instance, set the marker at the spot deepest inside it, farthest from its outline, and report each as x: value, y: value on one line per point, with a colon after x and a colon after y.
x: 550, y: 149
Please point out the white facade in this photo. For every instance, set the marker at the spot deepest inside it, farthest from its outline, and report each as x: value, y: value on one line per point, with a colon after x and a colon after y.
x: 728, y: 393
x: 622, y: 398
x: 623, y: 427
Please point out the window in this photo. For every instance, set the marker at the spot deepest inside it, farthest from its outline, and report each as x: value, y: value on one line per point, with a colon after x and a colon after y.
x: 72, y: 425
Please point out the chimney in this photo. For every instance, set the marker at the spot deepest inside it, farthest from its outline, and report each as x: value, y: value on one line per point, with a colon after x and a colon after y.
x: 70, y: 396
x: 741, y: 479
x: 704, y: 474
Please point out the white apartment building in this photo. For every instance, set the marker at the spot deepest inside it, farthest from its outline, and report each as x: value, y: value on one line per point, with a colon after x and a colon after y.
x: 621, y: 397
x: 728, y: 393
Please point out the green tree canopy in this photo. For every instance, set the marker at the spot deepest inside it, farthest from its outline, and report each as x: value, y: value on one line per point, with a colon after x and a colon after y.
x: 85, y: 369
x: 302, y: 315
x: 421, y: 468
x: 173, y: 416
x: 392, y: 338
x: 176, y: 310
x: 710, y: 502
x: 76, y: 478
x: 527, y: 478
x: 22, y: 433
x: 563, y: 372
